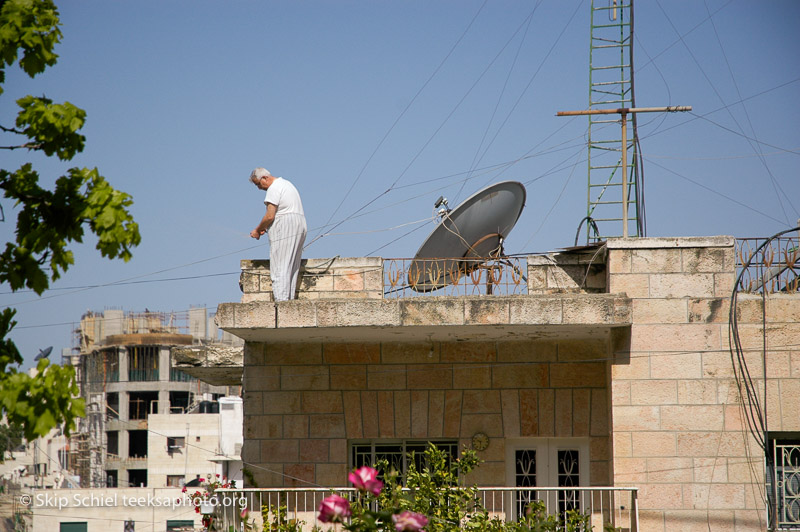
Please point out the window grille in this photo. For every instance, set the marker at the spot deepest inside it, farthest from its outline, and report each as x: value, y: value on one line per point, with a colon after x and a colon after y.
x: 397, y: 453
x: 568, y: 476
x: 783, y: 481
x: 524, y: 476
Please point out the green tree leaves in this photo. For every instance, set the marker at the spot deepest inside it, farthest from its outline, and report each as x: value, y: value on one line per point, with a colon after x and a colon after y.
x: 49, y: 220
x: 52, y: 128
x: 30, y: 27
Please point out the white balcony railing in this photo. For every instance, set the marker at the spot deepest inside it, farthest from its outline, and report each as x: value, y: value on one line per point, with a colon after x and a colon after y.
x: 603, y: 506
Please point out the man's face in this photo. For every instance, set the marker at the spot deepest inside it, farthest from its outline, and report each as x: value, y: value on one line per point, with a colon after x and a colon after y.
x: 261, y: 183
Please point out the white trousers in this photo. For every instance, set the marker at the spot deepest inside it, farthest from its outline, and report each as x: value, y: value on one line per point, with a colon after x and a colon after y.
x: 286, y: 238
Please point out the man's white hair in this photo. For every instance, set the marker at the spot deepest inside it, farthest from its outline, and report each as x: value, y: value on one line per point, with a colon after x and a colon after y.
x: 258, y: 173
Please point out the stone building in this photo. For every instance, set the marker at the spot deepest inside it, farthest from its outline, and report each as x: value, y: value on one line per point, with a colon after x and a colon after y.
x: 611, y: 367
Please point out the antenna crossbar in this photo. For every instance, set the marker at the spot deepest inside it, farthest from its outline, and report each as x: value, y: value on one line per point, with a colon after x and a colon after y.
x: 624, y: 112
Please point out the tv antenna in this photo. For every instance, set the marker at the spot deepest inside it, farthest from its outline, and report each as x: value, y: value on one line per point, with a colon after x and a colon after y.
x: 614, y: 177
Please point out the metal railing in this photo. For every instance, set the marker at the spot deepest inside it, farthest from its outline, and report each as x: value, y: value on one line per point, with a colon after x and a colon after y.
x: 454, y: 277
x: 603, y: 506
x: 773, y: 268
x: 785, y: 486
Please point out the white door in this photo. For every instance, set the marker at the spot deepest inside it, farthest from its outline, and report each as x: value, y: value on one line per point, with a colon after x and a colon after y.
x: 547, y: 463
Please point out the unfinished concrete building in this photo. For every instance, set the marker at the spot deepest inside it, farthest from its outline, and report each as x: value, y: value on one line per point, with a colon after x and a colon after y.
x: 126, y: 377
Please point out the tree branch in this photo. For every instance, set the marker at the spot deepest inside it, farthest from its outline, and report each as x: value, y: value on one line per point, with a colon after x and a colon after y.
x: 26, y: 145
x: 12, y: 130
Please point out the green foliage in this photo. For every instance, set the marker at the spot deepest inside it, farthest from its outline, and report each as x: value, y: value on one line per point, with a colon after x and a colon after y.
x: 436, y: 491
x: 52, y: 127
x: 41, y: 402
x: 275, y: 519
x: 48, y: 221
x: 30, y: 27
x: 10, y: 439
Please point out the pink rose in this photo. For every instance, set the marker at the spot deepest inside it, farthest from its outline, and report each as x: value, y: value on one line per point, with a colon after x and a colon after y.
x: 409, y: 521
x: 333, y: 509
x: 366, y: 479
x: 243, y: 513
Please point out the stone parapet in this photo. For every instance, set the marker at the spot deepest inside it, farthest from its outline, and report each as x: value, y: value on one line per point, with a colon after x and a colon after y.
x: 346, y: 319
x: 338, y: 277
x: 579, y: 270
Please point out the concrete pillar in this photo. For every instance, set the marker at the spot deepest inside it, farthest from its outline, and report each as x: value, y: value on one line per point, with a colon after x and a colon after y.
x: 123, y: 365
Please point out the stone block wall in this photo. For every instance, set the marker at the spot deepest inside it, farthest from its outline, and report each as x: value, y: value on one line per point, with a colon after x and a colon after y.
x: 568, y: 272
x: 360, y: 278
x: 678, y: 430
x: 304, y: 402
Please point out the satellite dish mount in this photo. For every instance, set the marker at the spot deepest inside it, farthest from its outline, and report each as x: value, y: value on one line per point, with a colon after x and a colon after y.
x: 467, y: 237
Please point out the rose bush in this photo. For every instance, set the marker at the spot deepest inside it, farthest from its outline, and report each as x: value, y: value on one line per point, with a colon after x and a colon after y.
x: 436, y: 501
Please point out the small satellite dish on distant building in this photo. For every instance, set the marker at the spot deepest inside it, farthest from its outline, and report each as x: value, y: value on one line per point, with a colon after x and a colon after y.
x: 466, y: 236
x: 44, y: 353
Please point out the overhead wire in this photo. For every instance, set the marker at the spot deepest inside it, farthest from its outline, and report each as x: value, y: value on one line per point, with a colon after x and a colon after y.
x: 705, y: 116
x: 717, y: 192
x: 532, y: 78
x: 475, y: 160
x: 433, y: 135
x: 403, y: 112
x: 557, y: 200
x: 722, y: 100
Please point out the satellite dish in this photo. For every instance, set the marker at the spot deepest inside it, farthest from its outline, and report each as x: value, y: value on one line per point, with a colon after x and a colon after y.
x: 44, y: 353
x: 466, y: 236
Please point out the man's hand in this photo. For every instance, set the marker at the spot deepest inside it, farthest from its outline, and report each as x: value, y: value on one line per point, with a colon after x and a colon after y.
x: 255, y: 233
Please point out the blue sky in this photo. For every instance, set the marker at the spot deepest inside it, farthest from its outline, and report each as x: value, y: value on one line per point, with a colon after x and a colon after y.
x: 390, y: 105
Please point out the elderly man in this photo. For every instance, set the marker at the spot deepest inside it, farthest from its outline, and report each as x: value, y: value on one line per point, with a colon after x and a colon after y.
x: 285, y: 223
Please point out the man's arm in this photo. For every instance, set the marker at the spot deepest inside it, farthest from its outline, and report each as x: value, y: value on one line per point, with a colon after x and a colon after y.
x: 266, y: 221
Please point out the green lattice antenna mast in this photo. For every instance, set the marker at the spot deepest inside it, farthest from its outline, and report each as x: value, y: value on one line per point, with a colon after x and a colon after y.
x: 615, y: 191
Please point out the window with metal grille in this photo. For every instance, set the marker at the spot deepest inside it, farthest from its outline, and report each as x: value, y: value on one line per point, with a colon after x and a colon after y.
x: 524, y: 476
x: 568, y: 476
x: 398, y: 453
x: 783, y: 481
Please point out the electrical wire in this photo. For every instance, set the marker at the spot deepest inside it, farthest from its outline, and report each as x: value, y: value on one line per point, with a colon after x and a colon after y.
x: 722, y: 100
x: 475, y: 159
x: 403, y: 112
x: 717, y: 193
x: 753, y: 409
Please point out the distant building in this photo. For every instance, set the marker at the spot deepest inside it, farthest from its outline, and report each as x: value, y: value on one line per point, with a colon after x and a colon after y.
x: 147, y: 424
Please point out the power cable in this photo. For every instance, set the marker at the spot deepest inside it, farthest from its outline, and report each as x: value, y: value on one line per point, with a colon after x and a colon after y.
x: 532, y: 78
x: 402, y: 113
x: 558, y: 198
x: 716, y: 192
x: 475, y: 160
x: 722, y: 100
x: 431, y: 137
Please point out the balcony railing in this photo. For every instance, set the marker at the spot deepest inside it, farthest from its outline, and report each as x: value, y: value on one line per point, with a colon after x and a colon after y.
x: 773, y: 268
x: 454, y: 277
x: 603, y: 506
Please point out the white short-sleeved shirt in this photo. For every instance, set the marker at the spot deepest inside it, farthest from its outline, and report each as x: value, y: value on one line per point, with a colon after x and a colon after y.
x: 283, y: 195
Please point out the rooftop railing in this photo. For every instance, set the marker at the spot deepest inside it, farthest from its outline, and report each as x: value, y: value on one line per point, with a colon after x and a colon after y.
x: 404, y: 278
x: 614, y: 507
x: 771, y: 267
